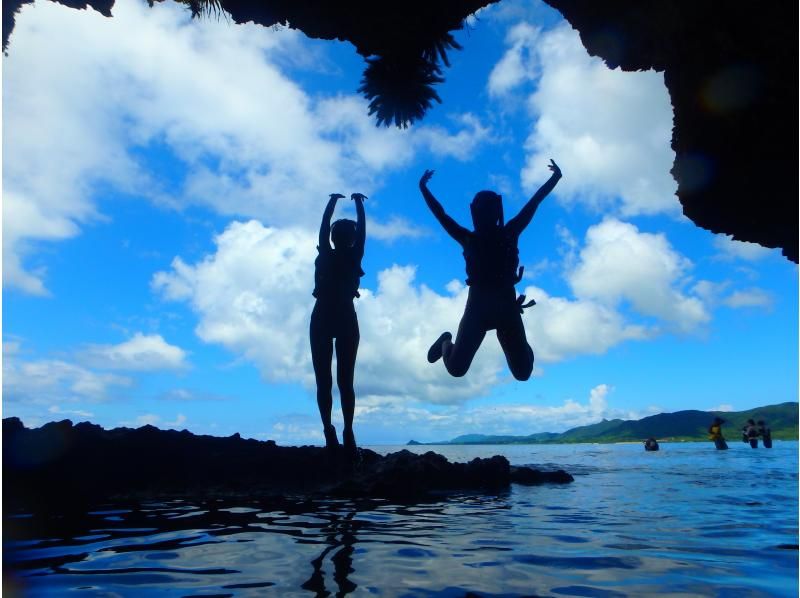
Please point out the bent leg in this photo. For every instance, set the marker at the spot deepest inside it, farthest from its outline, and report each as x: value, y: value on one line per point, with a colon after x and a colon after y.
x: 458, y: 355
x: 519, y: 354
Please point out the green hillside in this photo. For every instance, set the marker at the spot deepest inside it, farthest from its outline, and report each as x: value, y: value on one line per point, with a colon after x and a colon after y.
x: 680, y: 425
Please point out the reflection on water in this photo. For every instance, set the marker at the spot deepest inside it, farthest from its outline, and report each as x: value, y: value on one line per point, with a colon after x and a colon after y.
x: 683, y: 521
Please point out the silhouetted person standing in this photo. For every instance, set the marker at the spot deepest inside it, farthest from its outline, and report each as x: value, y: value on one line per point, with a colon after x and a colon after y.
x: 750, y: 433
x: 492, y: 260
x: 765, y: 433
x: 715, y: 434
x: 336, y: 277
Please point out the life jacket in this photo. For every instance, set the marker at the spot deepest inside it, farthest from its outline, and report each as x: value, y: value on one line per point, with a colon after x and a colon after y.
x: 336, y: 274
x: 492, y: 259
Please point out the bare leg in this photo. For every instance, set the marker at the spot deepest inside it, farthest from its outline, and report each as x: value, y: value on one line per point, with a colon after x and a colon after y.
x: 346, y: 351
x: 321, y: 357
x: 519, y: 354
x: 458, y: 356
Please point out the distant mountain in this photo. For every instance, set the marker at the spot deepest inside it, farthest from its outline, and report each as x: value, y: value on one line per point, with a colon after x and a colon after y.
x: 680, y: 425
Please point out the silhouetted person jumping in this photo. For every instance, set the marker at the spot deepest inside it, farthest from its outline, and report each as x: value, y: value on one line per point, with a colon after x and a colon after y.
x: 336, y: 276
x: 492, y: 258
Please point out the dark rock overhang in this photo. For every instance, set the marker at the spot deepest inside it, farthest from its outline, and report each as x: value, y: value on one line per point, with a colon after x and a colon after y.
x: 730, y: 68
x: 731, y: 72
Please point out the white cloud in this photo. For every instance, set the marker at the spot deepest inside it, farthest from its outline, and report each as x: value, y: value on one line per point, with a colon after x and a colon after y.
x: 394, y: 229
x: 730, y: 249
x: 518, y: 64
x: 253, y: 296
x: 297, y: 430
x: 384, y: 416
x: 81, y: 91
x: 753, y: 297
x: 47, y: 381
x: 56, y: 410
x: 460, y: 145
x: 620, y: 264
x: 140, y: 353
x: 560, y: 328
x: 721, y: 407
x: 152, y: 419
x: 608, y: 130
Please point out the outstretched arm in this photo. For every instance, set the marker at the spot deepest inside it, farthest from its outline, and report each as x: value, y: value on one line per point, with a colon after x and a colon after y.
x: 518, y: 223
x: 325, y: 227
x: 453, y: 228
x: 361, y: 222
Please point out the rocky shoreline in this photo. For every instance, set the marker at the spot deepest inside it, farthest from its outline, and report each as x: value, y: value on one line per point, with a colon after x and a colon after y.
x: 65, y: 463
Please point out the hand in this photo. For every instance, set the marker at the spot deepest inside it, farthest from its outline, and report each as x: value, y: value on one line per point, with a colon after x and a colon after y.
x: 336, y: 196
x: 358, y: 197
x: 554, y: 167
x: 425, y: 178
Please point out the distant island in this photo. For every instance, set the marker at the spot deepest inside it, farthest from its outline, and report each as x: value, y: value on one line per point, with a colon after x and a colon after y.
x: 680, y: 426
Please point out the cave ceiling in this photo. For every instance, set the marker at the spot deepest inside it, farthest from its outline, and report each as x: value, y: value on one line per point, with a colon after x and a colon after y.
x: 730, y: 69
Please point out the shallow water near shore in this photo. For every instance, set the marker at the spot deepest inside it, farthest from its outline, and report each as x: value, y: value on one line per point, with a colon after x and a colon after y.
x: 684, y: 521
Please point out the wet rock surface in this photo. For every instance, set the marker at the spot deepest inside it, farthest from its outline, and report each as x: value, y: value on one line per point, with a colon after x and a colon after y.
x: 84, y: 462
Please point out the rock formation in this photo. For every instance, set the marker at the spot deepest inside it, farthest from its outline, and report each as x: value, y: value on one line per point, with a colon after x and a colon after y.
x: 731, y: 72
x: 85, y: 463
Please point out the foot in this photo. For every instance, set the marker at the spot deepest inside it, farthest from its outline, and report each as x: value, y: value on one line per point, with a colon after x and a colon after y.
x: 349, y: 440
x: 435, y: 352
x: 330, y: 437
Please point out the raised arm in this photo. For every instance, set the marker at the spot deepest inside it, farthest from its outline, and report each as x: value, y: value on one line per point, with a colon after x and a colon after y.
x: 453, y: 228
x: 325, y: 227
x: 361, y: 222
x: 518, y: 223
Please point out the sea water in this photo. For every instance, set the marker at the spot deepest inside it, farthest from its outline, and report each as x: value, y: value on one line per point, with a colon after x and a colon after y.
x: 684, y: 521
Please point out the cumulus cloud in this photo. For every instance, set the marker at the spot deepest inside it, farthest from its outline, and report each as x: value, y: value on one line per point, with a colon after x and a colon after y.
x: 83, y: 94
x: 253, y: 296
x: 461, y: 145
x: 608, y: 130
x: 142, y: 352
x: 48, y: 381
x: 559, y: 328
x: 518, y: 64
x: 618, y: 263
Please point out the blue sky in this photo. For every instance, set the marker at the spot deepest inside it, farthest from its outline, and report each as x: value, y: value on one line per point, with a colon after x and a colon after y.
x: 163, y: 181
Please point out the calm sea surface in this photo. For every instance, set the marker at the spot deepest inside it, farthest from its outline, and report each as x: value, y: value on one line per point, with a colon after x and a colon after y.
x: 684, y: 521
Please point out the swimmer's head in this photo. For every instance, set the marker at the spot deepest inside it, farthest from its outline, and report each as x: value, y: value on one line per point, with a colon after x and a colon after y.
x: 487, y: 210
x: 343, y: 233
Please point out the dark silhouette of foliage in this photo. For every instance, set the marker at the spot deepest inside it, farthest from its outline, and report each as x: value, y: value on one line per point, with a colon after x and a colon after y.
x: 399, y: 89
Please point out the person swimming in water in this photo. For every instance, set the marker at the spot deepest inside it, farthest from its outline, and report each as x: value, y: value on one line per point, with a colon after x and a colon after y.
x: 336, y: 278
x: 492, y: 260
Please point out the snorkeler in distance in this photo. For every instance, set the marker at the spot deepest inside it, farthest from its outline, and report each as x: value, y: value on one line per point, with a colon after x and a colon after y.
x: 336, y: 278
x: 492, y: 260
